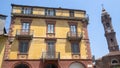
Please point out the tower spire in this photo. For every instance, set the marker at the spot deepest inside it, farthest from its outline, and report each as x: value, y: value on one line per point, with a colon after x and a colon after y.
x: 109, y: 31
x: 103, y: 7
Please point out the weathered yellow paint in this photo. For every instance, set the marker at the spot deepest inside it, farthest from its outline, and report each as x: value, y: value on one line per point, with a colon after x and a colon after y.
x: 39, y: 27
x: 2, y: 48
x: 38, y: 11
x: 83, y: 50
x: 62, y: 13
x: 14, y: 50
x: 41, y: 11
x: 36, y: 48
x: 38, y: 45
x: 17, y: 26
x: 17, y: 9
x: 79, y: 14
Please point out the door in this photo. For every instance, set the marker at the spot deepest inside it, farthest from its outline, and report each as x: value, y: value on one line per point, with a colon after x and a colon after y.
x: 51, y: 50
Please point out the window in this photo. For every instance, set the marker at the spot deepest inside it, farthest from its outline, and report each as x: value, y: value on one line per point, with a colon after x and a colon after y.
x: 25, y: 27
x: 51, y: 49
x: 23, y: 46
x: 50, y: 28
x: 75, y: 48
x: 114, y: 61
x: 71, y: 13
x: 73, y: 30
x: 105, y: 16
x: 50, y: 12
x: 27, y: 10
x: 107, y: 24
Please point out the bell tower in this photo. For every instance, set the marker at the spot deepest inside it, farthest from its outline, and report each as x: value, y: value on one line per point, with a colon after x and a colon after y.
x: 109, y: 31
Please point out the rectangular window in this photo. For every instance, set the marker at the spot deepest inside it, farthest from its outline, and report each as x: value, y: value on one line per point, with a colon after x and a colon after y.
x: 25, y: 27
x: 50, y: 28
x: 73, y: 30
x: 71, y: 13
x: 75, y: 48
x: 23, y: 46
x: 50, y: 12
x: 27, y: 10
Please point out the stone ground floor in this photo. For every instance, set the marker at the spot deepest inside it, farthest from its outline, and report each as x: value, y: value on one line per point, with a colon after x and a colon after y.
x: 47, y: 63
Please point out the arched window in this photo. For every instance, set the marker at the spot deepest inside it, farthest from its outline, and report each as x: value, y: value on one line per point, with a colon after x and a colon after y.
x: 21, y: 66
x: 114, y: 61
x: 107, y: 24
x: 76, y: 65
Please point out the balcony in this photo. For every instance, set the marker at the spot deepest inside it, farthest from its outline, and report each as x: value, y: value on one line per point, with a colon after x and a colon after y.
x: 24, y: 34
x: 77, y: 36
x: 50, y: 56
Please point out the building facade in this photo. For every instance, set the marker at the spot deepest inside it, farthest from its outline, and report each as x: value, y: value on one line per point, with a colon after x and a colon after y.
x: 44, y: 37
x: 112, y: 59
x: 3, y: 36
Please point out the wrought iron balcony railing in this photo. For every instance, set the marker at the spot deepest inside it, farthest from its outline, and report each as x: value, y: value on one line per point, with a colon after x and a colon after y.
x: 24, y: 33
x: 51, y: 56
x: 74, y: 35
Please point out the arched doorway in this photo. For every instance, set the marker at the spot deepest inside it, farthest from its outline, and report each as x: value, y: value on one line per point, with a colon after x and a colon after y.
x: 21, y: 66
x: 76, y: 65
x: 51, y: 66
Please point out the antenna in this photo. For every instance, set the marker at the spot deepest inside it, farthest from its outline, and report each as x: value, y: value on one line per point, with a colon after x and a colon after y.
x: 103, y: 9
x: 102, y: 6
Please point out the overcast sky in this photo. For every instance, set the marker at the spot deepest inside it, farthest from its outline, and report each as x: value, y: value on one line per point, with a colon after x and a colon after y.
x: 93, y: 8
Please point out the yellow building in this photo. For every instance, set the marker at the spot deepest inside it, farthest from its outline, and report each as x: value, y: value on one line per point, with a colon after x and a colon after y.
x: 3, y: 37
x: 45, y: 37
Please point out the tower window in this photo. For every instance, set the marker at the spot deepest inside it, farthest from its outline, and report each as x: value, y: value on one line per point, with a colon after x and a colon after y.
x: 114, y: 61
x: 112, y: 40
x: 107, y: 24
x: 105, y: 16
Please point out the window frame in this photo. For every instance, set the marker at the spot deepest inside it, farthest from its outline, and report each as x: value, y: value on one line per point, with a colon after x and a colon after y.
x: 50, y: 12
x: 52, y: 23
x: 73, y: 23
x: 72, y: 13
x: 19, y: 47
x: 27, y: 10
x: 114, y: 60
x: 72, y: 29
x: 52, y: 51
x: 26, y: 20
x: 50, y: 28
x: 73, y: 50
x: 50, y: 45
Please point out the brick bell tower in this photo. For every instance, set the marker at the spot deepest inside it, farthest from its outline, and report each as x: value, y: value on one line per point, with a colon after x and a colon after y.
x: 109, y: 32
